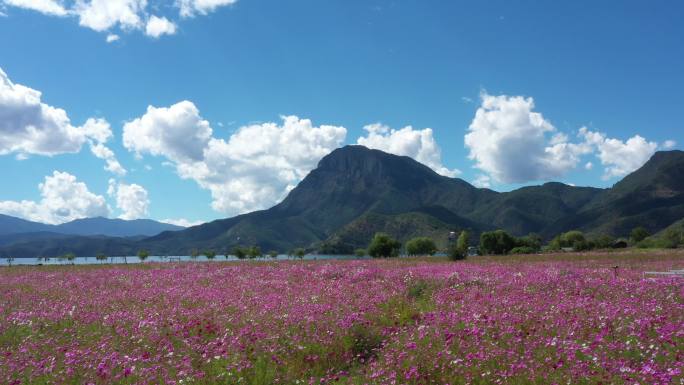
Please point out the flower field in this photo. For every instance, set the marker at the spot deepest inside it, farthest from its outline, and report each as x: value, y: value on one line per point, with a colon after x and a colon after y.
x: 550, y: 320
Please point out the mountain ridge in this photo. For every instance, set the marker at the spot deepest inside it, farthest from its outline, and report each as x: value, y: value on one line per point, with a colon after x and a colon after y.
x: 356, y: 191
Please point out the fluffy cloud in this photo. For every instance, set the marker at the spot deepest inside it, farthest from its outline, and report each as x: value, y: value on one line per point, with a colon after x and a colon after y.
x: 482, y: 181
x: 48, y: 7
x: 669, y: 144
x: 29, y: 126
x: 177, y: 133
x: 102, y: 15
x: 418, y: 144
x: 189, y: 8
x: 63, y: 199
x: 131, y: 199
x: 158, y: 26
x: 122, y: 15
x: 253, y: 169
x: 182, y: 222
x: 514, y: 144
x: 619, y: 158
x: 112, y: 164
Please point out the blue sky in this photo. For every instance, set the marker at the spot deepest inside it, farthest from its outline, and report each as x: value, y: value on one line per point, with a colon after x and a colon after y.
x: 613, y: 68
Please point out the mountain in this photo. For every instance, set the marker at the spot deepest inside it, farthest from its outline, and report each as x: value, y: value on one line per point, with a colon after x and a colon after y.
x: 652, y: 197
x: 115, y: 227
x: 12, y: 225
x: 15, y: 230
x: 355, y: 192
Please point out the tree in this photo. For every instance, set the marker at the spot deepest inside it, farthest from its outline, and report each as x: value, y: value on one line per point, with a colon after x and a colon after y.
x: 210, y: 254
x: 459, y: 250
x: 421, y: 246
x: 194, y: 253
x: 9, y: 260
x: 360, y: 253
x: 273, y: 254
x: 496, y: 242
x: 254, y: 252
x: 573, y: 239
x: 239, y: 253
x: 71, y: 257
x: 143, y: 254
x: 299, y: 253
x: 638, y: 234
x: 383, y: 246
x: 101, y: 257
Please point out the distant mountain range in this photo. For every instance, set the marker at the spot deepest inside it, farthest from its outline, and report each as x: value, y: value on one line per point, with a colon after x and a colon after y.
x: 355, y: 192
x: 16, y: 230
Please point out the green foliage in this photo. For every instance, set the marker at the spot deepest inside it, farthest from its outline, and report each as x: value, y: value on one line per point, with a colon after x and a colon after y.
x: 239, y: 253
x: 143, y: 254
x: 463, y: 241
x: 523, y: 250
x: 194, y: 253
x: 383, y: 246
x: 638, y: 234
x: 360, y: 253
x: 421, y: 246
x: 672, y: 238
x: 496, y: 242
x: 100, y: 257
x: 273, y: 254
x: 573, y: 239
x: 299, y: 253
x: 254, y: 252
x: 70, y: 257
x: 210, y: 254
x: 603, y: 241
x: 532, y: 241
x: 459, y: 250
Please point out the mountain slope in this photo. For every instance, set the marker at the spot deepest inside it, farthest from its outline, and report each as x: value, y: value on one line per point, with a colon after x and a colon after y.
x: 114, y: 227
x: 12, y: 225
x: 652, y: 196
x: 355, y: 192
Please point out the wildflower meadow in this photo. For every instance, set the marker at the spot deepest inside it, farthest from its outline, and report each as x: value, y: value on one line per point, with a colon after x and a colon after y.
x: 545, y: 320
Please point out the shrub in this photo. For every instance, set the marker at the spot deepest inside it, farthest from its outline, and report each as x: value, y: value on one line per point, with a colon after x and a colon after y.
x: 299, y: 253
x: 210, y: 254
x: 421, y: 246
x: 239, y: 253
x: 273, y: 254
x: 638, y: 234
x: 496, y: 242
x: 523, y: 250
x: 383, y: 246
x: 254, y: 252
x: 360, y: 252
x: 143, y: 254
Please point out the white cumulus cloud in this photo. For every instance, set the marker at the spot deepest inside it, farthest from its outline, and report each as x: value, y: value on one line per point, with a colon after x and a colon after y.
x: 253, y: 169
x: 48, y: 7
x: 189, y: 8
x: 158, y: 26
x: 669, y: 144
x: 182, y: 222
x: 512, y: 143
x: 63, y: 199
x: 619, y: 158
x: 418, y: 144
x: 29, y: 126
x: 131, y: 199
x: 121, y: 15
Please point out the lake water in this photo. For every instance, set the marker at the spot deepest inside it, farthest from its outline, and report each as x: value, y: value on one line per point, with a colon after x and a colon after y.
x: 135, y: 259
